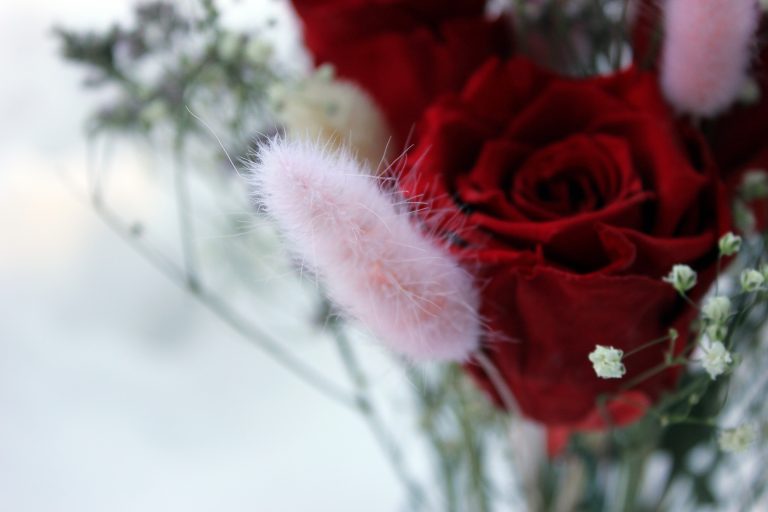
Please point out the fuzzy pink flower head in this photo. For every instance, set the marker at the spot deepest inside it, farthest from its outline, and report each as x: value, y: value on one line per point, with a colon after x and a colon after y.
x: 375, y: 261
x: 707, y: 52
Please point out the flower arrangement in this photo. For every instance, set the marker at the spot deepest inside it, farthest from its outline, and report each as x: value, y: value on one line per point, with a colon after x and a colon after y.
x: 551, y: 213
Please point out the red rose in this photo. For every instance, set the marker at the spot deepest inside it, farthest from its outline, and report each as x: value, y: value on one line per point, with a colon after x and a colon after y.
x: 572, y: 199
x: 402, y: 52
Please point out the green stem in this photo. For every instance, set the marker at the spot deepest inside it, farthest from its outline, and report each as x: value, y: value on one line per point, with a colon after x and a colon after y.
x: 184, y: 214
x: 646, y: 345
x: 474, y: 454
x: 367, y: 408
x: 633, y: 473
x: 217, y: 306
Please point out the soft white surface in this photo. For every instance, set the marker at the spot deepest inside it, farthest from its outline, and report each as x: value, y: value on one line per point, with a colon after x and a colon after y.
x: 117, y: 391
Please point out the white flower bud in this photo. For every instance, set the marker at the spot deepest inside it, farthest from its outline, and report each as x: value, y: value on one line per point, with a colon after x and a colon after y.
x: 752, y: 280
x: 682, y: 278
x: 737, y: 439
x: 607, y: 362
x: 729, y: 244
x: 673, y: 334
x: 716, y: 359
x: 754, y: 184
x: 717, y: 309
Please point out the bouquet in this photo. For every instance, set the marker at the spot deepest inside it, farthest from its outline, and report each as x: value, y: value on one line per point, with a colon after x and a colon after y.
x: 550, y: 213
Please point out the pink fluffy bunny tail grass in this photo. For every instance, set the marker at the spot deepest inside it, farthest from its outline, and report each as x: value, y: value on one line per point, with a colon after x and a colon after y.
x: 706, y: 53
x: 373, y: 259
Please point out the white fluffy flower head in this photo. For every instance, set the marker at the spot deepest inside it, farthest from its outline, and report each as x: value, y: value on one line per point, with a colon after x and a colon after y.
x: 607, y: 362
x: 737, y: 439
x: 681, y: 277
x: 752, y: 280
x: 729, y: 244
x: 716, y: 358
x: 717, y: 309
x: 754, y: 184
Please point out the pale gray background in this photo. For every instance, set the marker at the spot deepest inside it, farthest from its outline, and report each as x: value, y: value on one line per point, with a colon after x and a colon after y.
x: 117, y: 391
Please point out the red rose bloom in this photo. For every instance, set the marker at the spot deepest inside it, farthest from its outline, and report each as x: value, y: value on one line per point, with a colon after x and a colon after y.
x: 572, y: 199
x: 402, y: 52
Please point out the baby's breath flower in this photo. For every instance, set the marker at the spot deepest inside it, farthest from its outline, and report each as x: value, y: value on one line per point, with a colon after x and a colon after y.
x: 752, y: 280
x: 737, y: 439
x: 716, y: 359
x: 673, y: 334
x: 729, y: 244
x: 607, y: 362
x: 754, y: 184
x: 681, y: 277
x: 717, y: 309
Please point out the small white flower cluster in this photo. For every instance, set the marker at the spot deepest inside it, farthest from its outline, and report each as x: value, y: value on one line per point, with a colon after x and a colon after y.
x: 716, y: 358
x: 754, y: 184
x: 737, y: 439
x: 752, y: 280
x: 717, y: 311
x: 607, y: 362
x: 729, y: 244
x: 682, y: 278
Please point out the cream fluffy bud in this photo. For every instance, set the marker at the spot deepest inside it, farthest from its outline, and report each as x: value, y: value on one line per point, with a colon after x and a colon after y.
x: 335, y: 111
x: 706, y: 52
x: 374, y: 260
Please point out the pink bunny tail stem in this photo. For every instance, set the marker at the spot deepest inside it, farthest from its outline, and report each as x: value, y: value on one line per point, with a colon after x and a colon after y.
x: 706, y: 53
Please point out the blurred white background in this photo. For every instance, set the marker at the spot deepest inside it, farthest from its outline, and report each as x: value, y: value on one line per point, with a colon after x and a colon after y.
x: 117, y: 391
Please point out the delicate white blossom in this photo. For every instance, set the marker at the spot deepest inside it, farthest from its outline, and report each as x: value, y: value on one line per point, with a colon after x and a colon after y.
x: 716, y: 358
x: 717, y: 309
x: 752, y: 280
x: 754, y: 184
x: 607, y: 362
x: 729, y: 244
x: 737, y: 439
x: 682, y: 278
